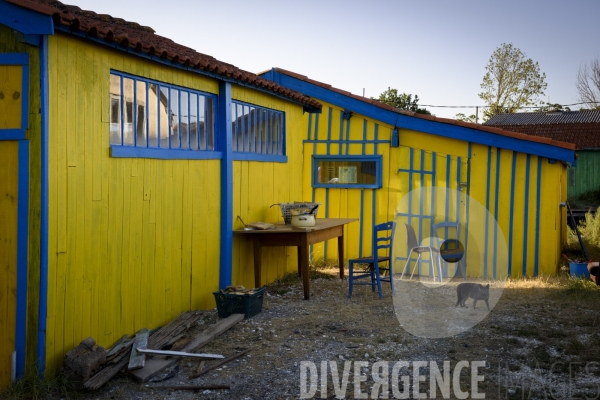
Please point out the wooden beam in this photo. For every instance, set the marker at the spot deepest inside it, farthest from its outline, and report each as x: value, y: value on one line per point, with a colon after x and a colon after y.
x: 218, y: 364
x: 157, y: 339
x: 137, y: 359
x: 156, y: 364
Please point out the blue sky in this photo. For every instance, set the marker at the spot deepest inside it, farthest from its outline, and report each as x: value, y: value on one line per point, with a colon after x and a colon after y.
x: 435, y: 49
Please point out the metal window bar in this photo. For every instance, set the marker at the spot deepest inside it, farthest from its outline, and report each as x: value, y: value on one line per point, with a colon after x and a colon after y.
x: 134, y: 113
x: 122, y: 123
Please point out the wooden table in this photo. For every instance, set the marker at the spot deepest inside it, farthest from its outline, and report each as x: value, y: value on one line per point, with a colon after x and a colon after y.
x: 286, y: 235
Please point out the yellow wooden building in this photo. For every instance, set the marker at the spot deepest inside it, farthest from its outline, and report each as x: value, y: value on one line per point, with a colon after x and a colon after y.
x: 362, y: 158
x: 124, y: 158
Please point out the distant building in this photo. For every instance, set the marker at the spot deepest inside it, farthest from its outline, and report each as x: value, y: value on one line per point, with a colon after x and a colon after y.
x: 579, y: 127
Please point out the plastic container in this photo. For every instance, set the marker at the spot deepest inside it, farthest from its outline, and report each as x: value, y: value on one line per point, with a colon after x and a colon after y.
x: 579, y: 270
x: 249, y: 305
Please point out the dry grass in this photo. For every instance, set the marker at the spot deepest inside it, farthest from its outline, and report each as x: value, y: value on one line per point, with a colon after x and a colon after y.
x: 32, y: 387
x: 589, y: 229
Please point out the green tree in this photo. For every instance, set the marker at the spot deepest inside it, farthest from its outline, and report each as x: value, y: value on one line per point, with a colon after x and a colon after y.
x: 549, y: 107
x: 512, y: 81
x: 462, y: 117
x: 403, y: 101
x: 588, y: 84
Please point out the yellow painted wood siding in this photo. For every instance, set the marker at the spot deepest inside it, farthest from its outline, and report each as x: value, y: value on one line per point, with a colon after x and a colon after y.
x: 9, y: 188
x: 258, y: 185
x: 537, y: 220
x: 10, y: 43
x: 536, y: 235
x: 327, y: 133
x: 132, y: 242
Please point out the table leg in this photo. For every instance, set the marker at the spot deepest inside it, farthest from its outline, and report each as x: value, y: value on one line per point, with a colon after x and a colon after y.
x: 303, y: 249
x: 257, y: 261
x: 299, y: 261
x: 341, y: 253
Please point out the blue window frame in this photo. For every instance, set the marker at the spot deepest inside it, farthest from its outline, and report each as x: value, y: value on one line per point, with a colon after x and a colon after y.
x: 258, y: 133
x: 351, y: 172
x: 158, y: 120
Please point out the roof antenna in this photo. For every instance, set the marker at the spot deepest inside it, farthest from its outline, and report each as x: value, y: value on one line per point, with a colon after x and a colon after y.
x: 363, y: 92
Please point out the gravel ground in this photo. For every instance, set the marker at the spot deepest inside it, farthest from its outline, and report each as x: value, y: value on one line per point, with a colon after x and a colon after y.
x: 540, y: 333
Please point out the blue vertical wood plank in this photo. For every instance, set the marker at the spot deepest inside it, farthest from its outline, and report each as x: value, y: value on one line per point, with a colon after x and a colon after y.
x: 537, y: 216
x: 512, y: 213
x: 226, y: 234
x: 526, y: 217
x: 329, y: 116
x: 458, y: 168
x: 496, y: 210
x: 43, y: 301
x: 468, y: 210
x: 487, y: 214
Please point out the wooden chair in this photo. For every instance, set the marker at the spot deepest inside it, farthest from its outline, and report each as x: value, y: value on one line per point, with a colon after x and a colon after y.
x: 382, y: 243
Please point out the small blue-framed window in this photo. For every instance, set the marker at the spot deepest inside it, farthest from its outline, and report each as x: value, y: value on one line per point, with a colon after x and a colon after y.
x: 157, y: 120
x: 352, y: 172
x: 14, y: 96
x: 258, y: 133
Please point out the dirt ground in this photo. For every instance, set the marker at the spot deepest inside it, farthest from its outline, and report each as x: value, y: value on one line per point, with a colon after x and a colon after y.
x: 541, y: 340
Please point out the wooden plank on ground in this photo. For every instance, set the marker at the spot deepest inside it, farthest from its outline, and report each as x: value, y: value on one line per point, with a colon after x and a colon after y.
x: 120, y: 346
x: 157, y: 364
x: 137, y: 359
x: 179, y: 325
x: 218, y: 364
x: 158, y: 339
x: 96, y: 381
x: 214, y: 331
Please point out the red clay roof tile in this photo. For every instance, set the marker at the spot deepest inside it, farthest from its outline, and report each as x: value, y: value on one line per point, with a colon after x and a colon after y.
x: 132, y: 35
x: 502, y: 132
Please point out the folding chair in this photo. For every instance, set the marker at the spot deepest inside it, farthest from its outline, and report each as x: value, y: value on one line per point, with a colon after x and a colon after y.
x: 413, y: 246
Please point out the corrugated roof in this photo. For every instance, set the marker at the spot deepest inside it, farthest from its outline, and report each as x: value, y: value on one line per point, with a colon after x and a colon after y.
x: 585, y: 136
x: 491, y: 129
x: 579, y: 127
x: 544, y: 118
x: 133, y: 36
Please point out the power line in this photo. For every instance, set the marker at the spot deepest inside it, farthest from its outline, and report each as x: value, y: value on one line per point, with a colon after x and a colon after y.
x: 562, y: 105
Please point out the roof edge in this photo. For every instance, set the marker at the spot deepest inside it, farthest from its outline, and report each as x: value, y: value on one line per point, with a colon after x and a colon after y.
x: 470, y: 125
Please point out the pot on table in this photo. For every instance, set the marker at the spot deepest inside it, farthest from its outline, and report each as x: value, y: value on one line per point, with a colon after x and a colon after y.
x: 302, y: 218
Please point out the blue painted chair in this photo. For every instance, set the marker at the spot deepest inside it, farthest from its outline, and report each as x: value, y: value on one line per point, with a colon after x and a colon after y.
x: 382, y: 242
x: 413, y: 247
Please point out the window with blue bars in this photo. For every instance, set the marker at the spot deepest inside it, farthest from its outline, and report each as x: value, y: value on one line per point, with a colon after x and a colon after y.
x: 257, y: 131
x: 156, y: 115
